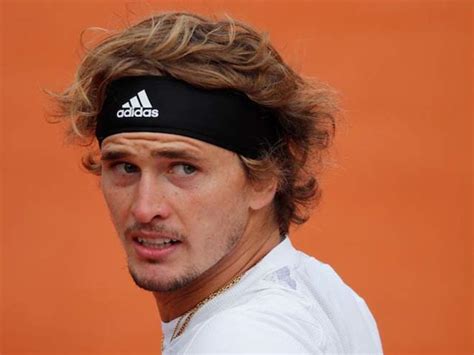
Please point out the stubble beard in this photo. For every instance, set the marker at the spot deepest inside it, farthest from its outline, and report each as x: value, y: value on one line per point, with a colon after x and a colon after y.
x: 153, y: 285
x: 150, y: 284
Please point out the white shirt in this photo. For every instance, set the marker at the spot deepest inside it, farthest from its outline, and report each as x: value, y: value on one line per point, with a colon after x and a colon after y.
x: 288, y: 302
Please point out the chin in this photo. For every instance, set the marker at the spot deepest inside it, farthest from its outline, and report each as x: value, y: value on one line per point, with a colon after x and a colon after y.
x: 154, y: 283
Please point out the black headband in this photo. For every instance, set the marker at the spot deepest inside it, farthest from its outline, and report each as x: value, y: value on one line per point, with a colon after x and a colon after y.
x: 223, y: 117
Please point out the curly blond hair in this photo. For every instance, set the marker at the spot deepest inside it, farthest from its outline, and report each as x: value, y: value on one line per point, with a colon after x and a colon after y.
x: 215, y: 54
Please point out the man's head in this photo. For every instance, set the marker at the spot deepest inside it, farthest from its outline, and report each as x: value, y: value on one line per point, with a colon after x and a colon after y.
x: 201, y: 194
x: 179, y: 204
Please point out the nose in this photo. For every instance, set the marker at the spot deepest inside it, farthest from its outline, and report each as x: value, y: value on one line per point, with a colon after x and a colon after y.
x: 150, y: 200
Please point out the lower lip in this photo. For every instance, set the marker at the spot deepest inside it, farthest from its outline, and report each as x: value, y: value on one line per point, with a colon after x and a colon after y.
x: 146, y: 252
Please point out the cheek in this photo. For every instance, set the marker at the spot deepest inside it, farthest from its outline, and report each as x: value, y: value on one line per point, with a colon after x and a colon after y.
x: 117, y: 201
x: 216, y: 205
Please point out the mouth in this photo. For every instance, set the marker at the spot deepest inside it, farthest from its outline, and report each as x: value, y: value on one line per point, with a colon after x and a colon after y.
x: 154, y: 243
x: 154, y: 246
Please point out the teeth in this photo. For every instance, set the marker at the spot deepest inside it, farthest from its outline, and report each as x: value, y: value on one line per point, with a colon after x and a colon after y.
x: 155, y: 242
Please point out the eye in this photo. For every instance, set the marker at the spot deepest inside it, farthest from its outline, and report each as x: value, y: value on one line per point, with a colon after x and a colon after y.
x: 121, y: 173
x: 129, y: 168
x: 124, y: 168
x: 183, y: 169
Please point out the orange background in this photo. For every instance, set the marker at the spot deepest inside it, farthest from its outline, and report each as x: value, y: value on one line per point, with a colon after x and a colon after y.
x: 395, y: 220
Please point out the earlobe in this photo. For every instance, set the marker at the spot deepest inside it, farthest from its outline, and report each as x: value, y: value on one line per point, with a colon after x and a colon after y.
x: 263, y: 193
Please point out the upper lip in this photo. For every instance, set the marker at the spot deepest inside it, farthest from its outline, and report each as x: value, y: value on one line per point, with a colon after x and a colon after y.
x: 151, y: 235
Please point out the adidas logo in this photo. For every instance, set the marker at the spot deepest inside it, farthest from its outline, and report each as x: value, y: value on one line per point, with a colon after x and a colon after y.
x: 138, y: 106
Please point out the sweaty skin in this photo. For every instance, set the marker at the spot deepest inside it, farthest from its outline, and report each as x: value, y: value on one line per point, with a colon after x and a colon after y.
x: 195, y: 197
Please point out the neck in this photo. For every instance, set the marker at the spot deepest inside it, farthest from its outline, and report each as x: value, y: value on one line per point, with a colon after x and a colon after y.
x: 248, y: 251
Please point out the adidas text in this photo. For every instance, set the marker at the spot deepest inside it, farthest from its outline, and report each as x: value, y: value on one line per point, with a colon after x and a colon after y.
x: 138, y: 112
x: 138, y: 106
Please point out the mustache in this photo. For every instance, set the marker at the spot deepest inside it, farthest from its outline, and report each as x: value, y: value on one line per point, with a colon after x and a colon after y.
x: 156, y: 228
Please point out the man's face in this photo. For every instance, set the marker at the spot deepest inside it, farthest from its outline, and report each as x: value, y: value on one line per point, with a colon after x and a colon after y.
x: 179, y: 205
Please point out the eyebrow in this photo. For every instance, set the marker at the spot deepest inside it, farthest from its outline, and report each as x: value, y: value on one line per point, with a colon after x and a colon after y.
x: 173, y: 154
x: 112, y: 155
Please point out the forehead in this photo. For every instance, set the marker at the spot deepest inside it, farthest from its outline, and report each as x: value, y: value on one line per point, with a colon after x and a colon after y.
x: 154, y: 144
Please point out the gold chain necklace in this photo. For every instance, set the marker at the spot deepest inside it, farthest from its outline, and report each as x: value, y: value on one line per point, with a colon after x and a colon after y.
x: 185, y: 319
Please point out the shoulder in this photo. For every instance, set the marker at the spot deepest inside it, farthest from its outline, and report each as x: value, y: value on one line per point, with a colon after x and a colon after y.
x: 273, y: 323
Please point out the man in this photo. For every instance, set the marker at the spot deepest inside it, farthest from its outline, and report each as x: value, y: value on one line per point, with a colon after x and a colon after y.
x: 204, y: 137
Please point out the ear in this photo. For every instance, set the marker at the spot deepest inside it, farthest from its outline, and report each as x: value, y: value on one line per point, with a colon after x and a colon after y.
x: 262, y: 193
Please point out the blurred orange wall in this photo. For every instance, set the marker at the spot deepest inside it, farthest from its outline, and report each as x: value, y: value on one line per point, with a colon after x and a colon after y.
x: 395, y: 220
